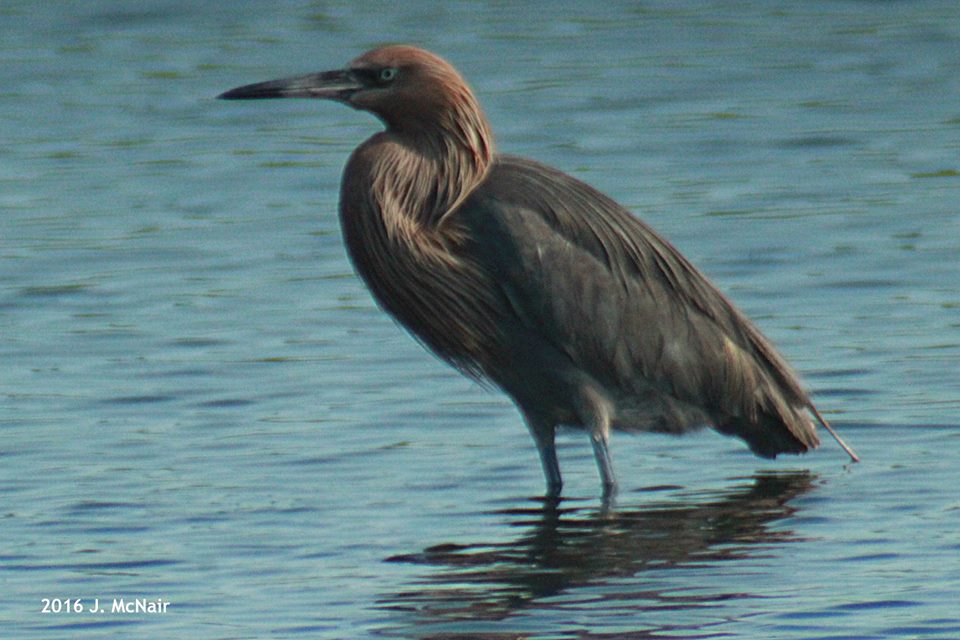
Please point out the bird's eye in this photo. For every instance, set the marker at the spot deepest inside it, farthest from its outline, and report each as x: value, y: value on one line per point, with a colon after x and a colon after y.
x: 387, y: 74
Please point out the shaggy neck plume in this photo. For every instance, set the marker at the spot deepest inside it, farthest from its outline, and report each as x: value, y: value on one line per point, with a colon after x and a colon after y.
x: 431, y: 163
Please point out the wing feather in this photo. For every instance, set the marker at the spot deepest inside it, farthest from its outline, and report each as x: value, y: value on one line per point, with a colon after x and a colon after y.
x: 623, y: 303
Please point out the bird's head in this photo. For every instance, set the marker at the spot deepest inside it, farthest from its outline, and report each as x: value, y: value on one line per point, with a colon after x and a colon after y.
x: 406, y: 87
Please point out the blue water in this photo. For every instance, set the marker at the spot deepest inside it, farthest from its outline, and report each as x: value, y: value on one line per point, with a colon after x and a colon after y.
x: 201, y: 405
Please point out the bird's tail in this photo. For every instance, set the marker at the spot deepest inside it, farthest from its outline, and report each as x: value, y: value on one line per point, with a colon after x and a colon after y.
x: 769, y: 434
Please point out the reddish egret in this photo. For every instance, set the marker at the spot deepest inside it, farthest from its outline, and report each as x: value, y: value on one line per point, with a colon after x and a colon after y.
x: 520, y: 275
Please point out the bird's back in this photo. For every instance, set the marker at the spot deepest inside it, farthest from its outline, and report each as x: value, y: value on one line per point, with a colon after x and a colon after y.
x: 595, y: 298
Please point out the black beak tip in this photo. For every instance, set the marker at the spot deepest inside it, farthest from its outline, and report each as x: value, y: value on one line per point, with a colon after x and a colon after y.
x: 239, y: 93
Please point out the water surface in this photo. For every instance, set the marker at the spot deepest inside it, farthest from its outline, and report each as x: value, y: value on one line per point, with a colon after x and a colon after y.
x: 200, y: 404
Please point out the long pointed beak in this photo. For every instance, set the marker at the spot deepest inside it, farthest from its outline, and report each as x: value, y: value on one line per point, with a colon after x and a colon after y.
x: 331, y: 85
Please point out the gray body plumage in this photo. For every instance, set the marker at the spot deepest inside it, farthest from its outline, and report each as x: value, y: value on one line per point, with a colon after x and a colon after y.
x: 582, y: 305
x: 625, y: 316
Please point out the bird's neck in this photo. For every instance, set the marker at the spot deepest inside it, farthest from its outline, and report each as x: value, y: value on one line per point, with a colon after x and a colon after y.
x: 449, y: 167
x: 397, y: 190
x: 428, y: 165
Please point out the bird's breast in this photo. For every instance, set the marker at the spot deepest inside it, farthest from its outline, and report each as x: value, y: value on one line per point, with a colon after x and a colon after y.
x: 426, y: 281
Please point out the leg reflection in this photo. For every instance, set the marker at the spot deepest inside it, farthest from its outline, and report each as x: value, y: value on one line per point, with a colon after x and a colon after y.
x: 561, y: 547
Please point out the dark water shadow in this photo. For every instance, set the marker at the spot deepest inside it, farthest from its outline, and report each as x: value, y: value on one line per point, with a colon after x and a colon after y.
x: 559, y: 549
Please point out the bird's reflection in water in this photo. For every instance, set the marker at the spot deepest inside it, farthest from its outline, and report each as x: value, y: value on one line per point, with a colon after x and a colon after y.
x: 560, y: 549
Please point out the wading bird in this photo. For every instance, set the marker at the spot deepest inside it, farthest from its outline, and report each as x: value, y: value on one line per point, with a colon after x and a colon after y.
x: 520, y: 275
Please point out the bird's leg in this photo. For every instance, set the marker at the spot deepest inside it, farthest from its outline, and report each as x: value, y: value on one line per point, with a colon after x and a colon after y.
x: 601, y: 451
x: 551, y: 468
x: 544, y: 436
x: 596, y: 417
